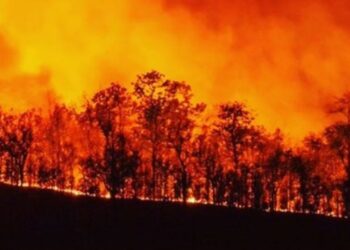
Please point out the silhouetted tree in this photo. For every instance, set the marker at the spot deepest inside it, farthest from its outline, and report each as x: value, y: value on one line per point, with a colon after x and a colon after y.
x: 275, y: 167
x: 206, y: 154
x: 180, y: 123
x: 234, y: 126
x: 91, y: 155
x: 258, y: 190
x: 16, y: 139
x: 338, y: 136
x: 60, y: 145
x: 112, y: 108
x: 150, y: 91
x: 153, y: 143
x: 258, y: 155
x: 303, y: 170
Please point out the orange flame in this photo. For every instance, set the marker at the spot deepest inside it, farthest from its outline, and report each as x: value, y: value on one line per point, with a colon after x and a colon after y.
x: 281, y: 58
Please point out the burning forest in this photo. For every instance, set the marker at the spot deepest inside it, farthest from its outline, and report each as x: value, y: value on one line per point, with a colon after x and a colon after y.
x: 153, y: 142
x: 229, y: 104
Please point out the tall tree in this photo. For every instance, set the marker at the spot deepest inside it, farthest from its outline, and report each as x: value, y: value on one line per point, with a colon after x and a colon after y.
x: 150, y: 90
x: 275, y: 168
x: 113, y: 109
x: 338, y: 136
x: 234, y: 126
x: 302, y: 168
x: 16, y: 140
x: 206, y: 154
x: 258, y: 154
x: 91, y: 155
x: 181, y: 121
x: 60, y: 145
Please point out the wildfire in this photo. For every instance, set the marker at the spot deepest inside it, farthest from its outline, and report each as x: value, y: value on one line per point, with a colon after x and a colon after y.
x: 192, y: 200
x: 68, y: 49
x: 210, y: 136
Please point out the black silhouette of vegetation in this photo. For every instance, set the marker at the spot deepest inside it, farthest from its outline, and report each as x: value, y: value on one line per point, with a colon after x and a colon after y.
x: 153, y: 142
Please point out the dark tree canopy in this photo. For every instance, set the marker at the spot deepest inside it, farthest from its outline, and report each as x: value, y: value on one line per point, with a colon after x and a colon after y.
x: 152, y: 141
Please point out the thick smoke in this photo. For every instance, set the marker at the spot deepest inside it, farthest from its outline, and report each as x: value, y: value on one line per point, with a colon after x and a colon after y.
x: 286, y: 60
x: 20, y: 90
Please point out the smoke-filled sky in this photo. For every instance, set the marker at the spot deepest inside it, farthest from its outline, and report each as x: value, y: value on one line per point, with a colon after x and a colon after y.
x: 285, y: 59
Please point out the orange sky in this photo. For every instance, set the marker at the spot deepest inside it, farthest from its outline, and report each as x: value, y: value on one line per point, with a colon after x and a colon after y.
x: 284, y: 60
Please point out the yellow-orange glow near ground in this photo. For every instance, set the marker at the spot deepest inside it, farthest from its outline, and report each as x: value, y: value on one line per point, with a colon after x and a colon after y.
x: 284, y: 59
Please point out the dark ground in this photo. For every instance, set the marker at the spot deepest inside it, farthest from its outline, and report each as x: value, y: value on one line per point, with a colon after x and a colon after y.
x: 36, y: 219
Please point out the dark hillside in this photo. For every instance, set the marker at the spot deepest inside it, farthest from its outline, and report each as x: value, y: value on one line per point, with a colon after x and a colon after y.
x: 37, y: 219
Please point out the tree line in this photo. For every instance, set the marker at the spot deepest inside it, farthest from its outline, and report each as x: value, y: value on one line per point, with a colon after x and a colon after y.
x: 153, y: 142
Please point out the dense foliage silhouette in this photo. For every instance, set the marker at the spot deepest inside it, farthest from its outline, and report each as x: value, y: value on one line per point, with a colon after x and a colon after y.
x: 154, y: 142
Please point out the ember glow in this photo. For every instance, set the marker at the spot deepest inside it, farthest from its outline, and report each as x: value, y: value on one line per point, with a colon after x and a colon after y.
x: 265, y: 127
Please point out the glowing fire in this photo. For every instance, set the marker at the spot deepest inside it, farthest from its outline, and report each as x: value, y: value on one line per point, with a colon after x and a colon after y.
x: 272, y: 55
x: 192, y: 200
